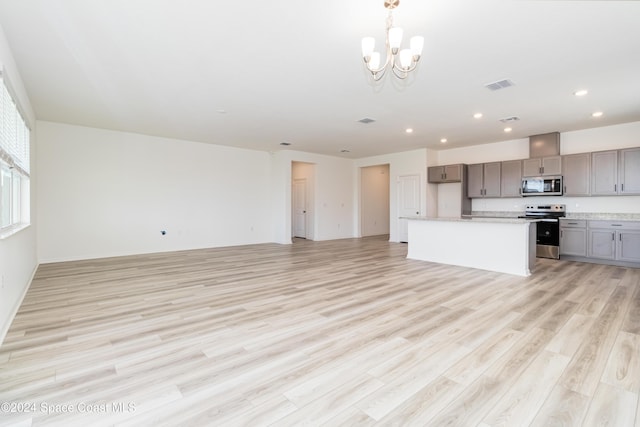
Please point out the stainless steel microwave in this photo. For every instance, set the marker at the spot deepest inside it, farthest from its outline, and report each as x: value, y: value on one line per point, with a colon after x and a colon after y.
x: 542, y: 186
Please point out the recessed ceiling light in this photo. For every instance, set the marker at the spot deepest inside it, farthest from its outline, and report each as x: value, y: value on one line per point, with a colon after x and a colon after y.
x: 508, y: 130
x: 443, y: 140
x: 477, y: 116
x: 221, y: 111
x: 285, y: 143
x: 581, y: 92
x: 597, y: 114
x: 344, y: 150
x: 409, y: 130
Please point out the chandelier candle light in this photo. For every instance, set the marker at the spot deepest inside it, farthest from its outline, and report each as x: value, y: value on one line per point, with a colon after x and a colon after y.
x: 401, y: 62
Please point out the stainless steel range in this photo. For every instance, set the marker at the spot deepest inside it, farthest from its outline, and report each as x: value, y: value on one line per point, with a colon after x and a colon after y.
x: 547, y: 228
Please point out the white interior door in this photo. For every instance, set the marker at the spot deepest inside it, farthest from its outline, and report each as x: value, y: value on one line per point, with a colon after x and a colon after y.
x: 408, y: 203
x: 300, y: 208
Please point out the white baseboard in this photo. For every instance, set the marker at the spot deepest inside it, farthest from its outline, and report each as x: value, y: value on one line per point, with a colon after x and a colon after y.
x: 14, y: 311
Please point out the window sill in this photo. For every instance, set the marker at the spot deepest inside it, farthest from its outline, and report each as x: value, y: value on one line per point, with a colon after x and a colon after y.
x: 10, y: 231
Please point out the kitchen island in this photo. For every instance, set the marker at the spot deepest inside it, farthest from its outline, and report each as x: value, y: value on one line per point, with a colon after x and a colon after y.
x: 505, y: 245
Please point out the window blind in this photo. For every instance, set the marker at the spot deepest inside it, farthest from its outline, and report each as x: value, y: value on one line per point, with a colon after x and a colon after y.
x: 14, y: 133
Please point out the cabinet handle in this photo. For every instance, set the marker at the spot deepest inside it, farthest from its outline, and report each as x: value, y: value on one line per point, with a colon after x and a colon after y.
x: 616, y: 225
x: 564, y: 189
x: 572, y: 223
x: 613, y: 236
x: 620, y: 236
x: 542, y: 169
x: 615, y: 187
x: 622, y: 187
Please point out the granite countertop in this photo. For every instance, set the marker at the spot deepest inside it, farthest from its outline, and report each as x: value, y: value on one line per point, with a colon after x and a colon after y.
x: 482, y: 219
x: 570, y: 215
x: 495, y: 214
x: 605, y: 216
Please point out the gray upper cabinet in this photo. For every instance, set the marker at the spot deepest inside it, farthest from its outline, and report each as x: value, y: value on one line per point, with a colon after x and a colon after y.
x: 576, y: 171
x: 629, y: 171
x: 604, y: 173
x: 615, y: 172
x: 542, y: 166
x: 441, y: 174
x: 484, y: 180
x: 475, y: 184
x: 511, y: 178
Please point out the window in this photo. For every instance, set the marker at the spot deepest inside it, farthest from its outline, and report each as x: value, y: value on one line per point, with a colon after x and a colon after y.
x: 14, y: 163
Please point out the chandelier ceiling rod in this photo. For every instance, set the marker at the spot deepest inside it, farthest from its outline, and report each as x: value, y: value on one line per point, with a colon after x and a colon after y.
x: 400, y: 61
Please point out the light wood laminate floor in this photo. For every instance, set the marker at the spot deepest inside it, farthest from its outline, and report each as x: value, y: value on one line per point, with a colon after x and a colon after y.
x: 337, y: 333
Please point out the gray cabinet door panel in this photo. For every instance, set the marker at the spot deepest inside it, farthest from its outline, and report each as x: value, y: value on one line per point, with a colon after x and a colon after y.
x: 475, y: 182
x: 511, y: 178
x: 604, y: 173
x: 492, y: 179
x: 453, y: 173
x: 531, y: 167
x: 602, y: 244
x: 577, y: 174
x: 552, y: 165
x: 573, y: 241
x: 630, y: 171
x: 628, y: 246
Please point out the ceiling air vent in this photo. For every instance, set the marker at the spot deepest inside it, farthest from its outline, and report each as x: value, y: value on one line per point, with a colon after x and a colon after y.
x: 510, y: 119
x: 366, y: 120
x: 499, y: 85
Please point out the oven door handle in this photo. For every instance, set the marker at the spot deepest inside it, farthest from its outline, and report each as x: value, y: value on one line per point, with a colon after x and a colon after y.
x: 548, y: 220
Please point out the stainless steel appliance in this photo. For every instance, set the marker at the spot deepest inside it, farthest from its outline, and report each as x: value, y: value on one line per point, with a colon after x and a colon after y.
x: 547, y: 228
x: 542, y: 186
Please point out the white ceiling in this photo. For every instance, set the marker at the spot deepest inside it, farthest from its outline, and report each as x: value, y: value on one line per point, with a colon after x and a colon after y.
x: 291, y: 71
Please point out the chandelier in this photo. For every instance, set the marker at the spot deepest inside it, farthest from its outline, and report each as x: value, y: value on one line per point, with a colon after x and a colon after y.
x: 400, y: 61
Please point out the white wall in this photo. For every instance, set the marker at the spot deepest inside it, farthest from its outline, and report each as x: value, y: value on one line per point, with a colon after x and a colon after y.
x: 105, y: 193
x: 588, y: 140
x: 405, y: 163
x: 18, y: 260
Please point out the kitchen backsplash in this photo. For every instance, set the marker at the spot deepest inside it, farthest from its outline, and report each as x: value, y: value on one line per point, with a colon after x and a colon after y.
x: 591, y: 205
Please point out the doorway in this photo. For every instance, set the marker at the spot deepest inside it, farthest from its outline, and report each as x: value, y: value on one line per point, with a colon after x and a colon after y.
x: 302, y: 200
x: 374, y: 201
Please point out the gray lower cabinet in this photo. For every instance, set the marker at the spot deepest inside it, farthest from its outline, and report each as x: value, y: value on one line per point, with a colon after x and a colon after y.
x: 628, y: 248
x: 614, y: 240
x: 483, y: 180
x: 602, y: 244
x: 576, y: 170
x: 573, y: 237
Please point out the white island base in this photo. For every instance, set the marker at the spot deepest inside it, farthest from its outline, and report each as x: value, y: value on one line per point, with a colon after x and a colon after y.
x: 505, y: 245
